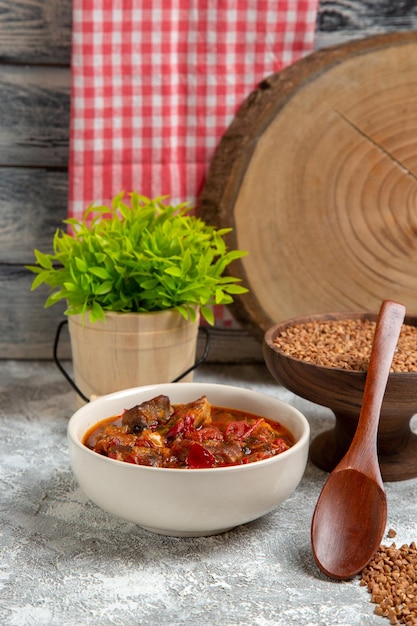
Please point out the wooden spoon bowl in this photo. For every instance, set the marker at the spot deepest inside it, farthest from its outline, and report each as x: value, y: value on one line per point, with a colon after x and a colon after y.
x: 342, y: 391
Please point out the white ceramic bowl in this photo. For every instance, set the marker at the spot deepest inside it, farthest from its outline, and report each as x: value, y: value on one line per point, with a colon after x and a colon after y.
x: 189, y: 502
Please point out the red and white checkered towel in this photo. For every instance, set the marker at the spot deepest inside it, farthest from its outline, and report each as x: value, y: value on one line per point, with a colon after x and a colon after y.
x: 155, y: 83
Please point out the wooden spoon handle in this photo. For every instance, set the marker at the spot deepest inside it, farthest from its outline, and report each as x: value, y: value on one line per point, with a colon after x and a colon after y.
x: 387, y: 331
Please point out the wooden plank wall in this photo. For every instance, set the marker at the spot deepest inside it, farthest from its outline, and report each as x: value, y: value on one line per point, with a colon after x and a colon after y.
x: 35, y: 45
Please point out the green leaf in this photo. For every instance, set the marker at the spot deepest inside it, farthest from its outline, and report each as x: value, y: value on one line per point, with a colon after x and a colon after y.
x: 149, y: 284
x: 235, y: 289
x: 44, y: 260
x: 81, y: 264
x: 173, y: 271
x: 219, y: 296
x: 71, y: 287
x: 100, y: 272
x: 55, y: 297
x: 38, y: 280
x: 207, y: 313
x: 103, y: 288
x: 96, y: 312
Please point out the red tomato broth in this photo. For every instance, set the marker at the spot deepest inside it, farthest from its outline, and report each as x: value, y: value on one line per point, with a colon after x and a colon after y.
x: 226, y: 437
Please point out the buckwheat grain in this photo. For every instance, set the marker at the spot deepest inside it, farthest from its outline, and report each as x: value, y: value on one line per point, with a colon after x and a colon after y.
x: 391, y: 579
x: 344, y: 344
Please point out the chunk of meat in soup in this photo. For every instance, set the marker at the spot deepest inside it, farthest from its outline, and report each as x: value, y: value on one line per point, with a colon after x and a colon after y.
x: 200, y: 410
x: 148, y: 415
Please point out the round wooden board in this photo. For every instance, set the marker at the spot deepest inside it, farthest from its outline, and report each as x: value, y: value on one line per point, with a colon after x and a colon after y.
x: 317, y: 177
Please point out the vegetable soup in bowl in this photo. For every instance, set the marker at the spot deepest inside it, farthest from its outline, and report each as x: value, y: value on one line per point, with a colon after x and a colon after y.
x: 188, y: 459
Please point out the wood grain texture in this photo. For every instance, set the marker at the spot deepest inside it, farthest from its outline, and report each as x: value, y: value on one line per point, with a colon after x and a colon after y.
x: 27, y: 329
x: 33, y: 204
x: 34, y: 113
x: 341, y: 21
x: 35, y: 31
x: 317, y: 177
x: 35, y: 35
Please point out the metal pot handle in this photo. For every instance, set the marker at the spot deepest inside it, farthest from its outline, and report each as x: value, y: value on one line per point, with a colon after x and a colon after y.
x: 58, y: 363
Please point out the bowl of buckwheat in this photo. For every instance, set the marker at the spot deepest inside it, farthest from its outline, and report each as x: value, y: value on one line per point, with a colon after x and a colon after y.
x: 323, y: 358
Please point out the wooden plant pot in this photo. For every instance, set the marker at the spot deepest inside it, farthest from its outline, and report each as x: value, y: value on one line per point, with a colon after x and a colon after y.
x: 131, y: 350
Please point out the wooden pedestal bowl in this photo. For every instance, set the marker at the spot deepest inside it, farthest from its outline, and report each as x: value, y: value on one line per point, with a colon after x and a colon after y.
x: 342, y: 391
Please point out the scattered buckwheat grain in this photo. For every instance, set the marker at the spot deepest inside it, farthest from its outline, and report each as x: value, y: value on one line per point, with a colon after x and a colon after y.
x: 391, y: 579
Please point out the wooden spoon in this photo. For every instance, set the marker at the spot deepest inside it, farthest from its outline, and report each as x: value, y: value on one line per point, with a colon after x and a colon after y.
x: 351, y: 512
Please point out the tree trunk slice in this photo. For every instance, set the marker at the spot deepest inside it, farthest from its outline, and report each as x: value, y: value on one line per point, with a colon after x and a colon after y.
x: 317, y: 178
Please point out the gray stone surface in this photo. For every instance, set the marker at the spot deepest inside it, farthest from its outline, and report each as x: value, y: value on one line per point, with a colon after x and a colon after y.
x: 66, y: 562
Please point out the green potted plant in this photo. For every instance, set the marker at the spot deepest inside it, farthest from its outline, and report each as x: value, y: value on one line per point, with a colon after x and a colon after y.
x: 130, y: 273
